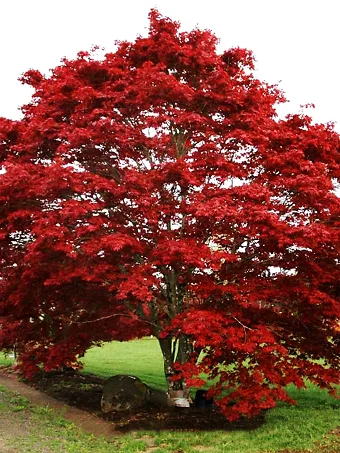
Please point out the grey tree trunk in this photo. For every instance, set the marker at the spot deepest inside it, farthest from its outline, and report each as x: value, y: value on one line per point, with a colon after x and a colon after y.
x: 175, y: 350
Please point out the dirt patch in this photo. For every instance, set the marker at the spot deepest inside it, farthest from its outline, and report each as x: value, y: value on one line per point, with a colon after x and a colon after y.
x: 84, y: 392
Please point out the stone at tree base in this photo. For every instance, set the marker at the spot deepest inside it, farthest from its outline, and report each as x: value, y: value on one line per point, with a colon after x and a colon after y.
x: 123, y: 392
x: 160, y: 398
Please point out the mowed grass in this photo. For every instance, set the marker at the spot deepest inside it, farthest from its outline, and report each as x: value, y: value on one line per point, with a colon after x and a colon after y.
x: 142, y: 358
x: 312, y: 425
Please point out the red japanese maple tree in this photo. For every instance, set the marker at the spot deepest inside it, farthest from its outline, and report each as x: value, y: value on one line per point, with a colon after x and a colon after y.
x: 155, y: 191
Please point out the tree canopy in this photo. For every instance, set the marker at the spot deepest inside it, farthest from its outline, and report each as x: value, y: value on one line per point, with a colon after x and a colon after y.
x: 154, y: 190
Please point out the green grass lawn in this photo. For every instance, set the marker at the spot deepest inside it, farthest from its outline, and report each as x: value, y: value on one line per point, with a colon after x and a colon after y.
x: 300, y: 427
x: 4, y: 360
x: 142, y: 358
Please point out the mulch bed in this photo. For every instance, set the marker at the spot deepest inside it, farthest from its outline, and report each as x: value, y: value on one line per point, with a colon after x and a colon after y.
x: 84, y: 391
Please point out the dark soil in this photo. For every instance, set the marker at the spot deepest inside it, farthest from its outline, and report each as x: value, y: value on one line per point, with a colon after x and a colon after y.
x: 84, y: 391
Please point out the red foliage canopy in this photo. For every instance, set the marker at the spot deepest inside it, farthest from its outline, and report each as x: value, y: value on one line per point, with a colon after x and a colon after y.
x: 154, y: 190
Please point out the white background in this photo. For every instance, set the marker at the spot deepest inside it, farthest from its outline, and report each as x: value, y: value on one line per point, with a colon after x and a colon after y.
x: 295, y: 42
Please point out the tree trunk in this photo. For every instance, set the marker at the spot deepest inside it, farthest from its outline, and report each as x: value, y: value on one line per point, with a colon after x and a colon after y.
x: 175, y: 350
x: 166, y: 348
x: 185, y: 349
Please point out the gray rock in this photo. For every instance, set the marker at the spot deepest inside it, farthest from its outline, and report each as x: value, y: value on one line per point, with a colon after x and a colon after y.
x: 159, y: 398
x: 123, y: 392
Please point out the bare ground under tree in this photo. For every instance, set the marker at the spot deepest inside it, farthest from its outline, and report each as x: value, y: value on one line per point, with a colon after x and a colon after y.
x: 78, y: 396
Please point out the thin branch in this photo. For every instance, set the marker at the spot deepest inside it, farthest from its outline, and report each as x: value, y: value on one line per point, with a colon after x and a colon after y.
x: 147, y: 154
x: 138, y: 311
x: 107, y: 317
x: 102, y: 318
x: 244, y: 326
